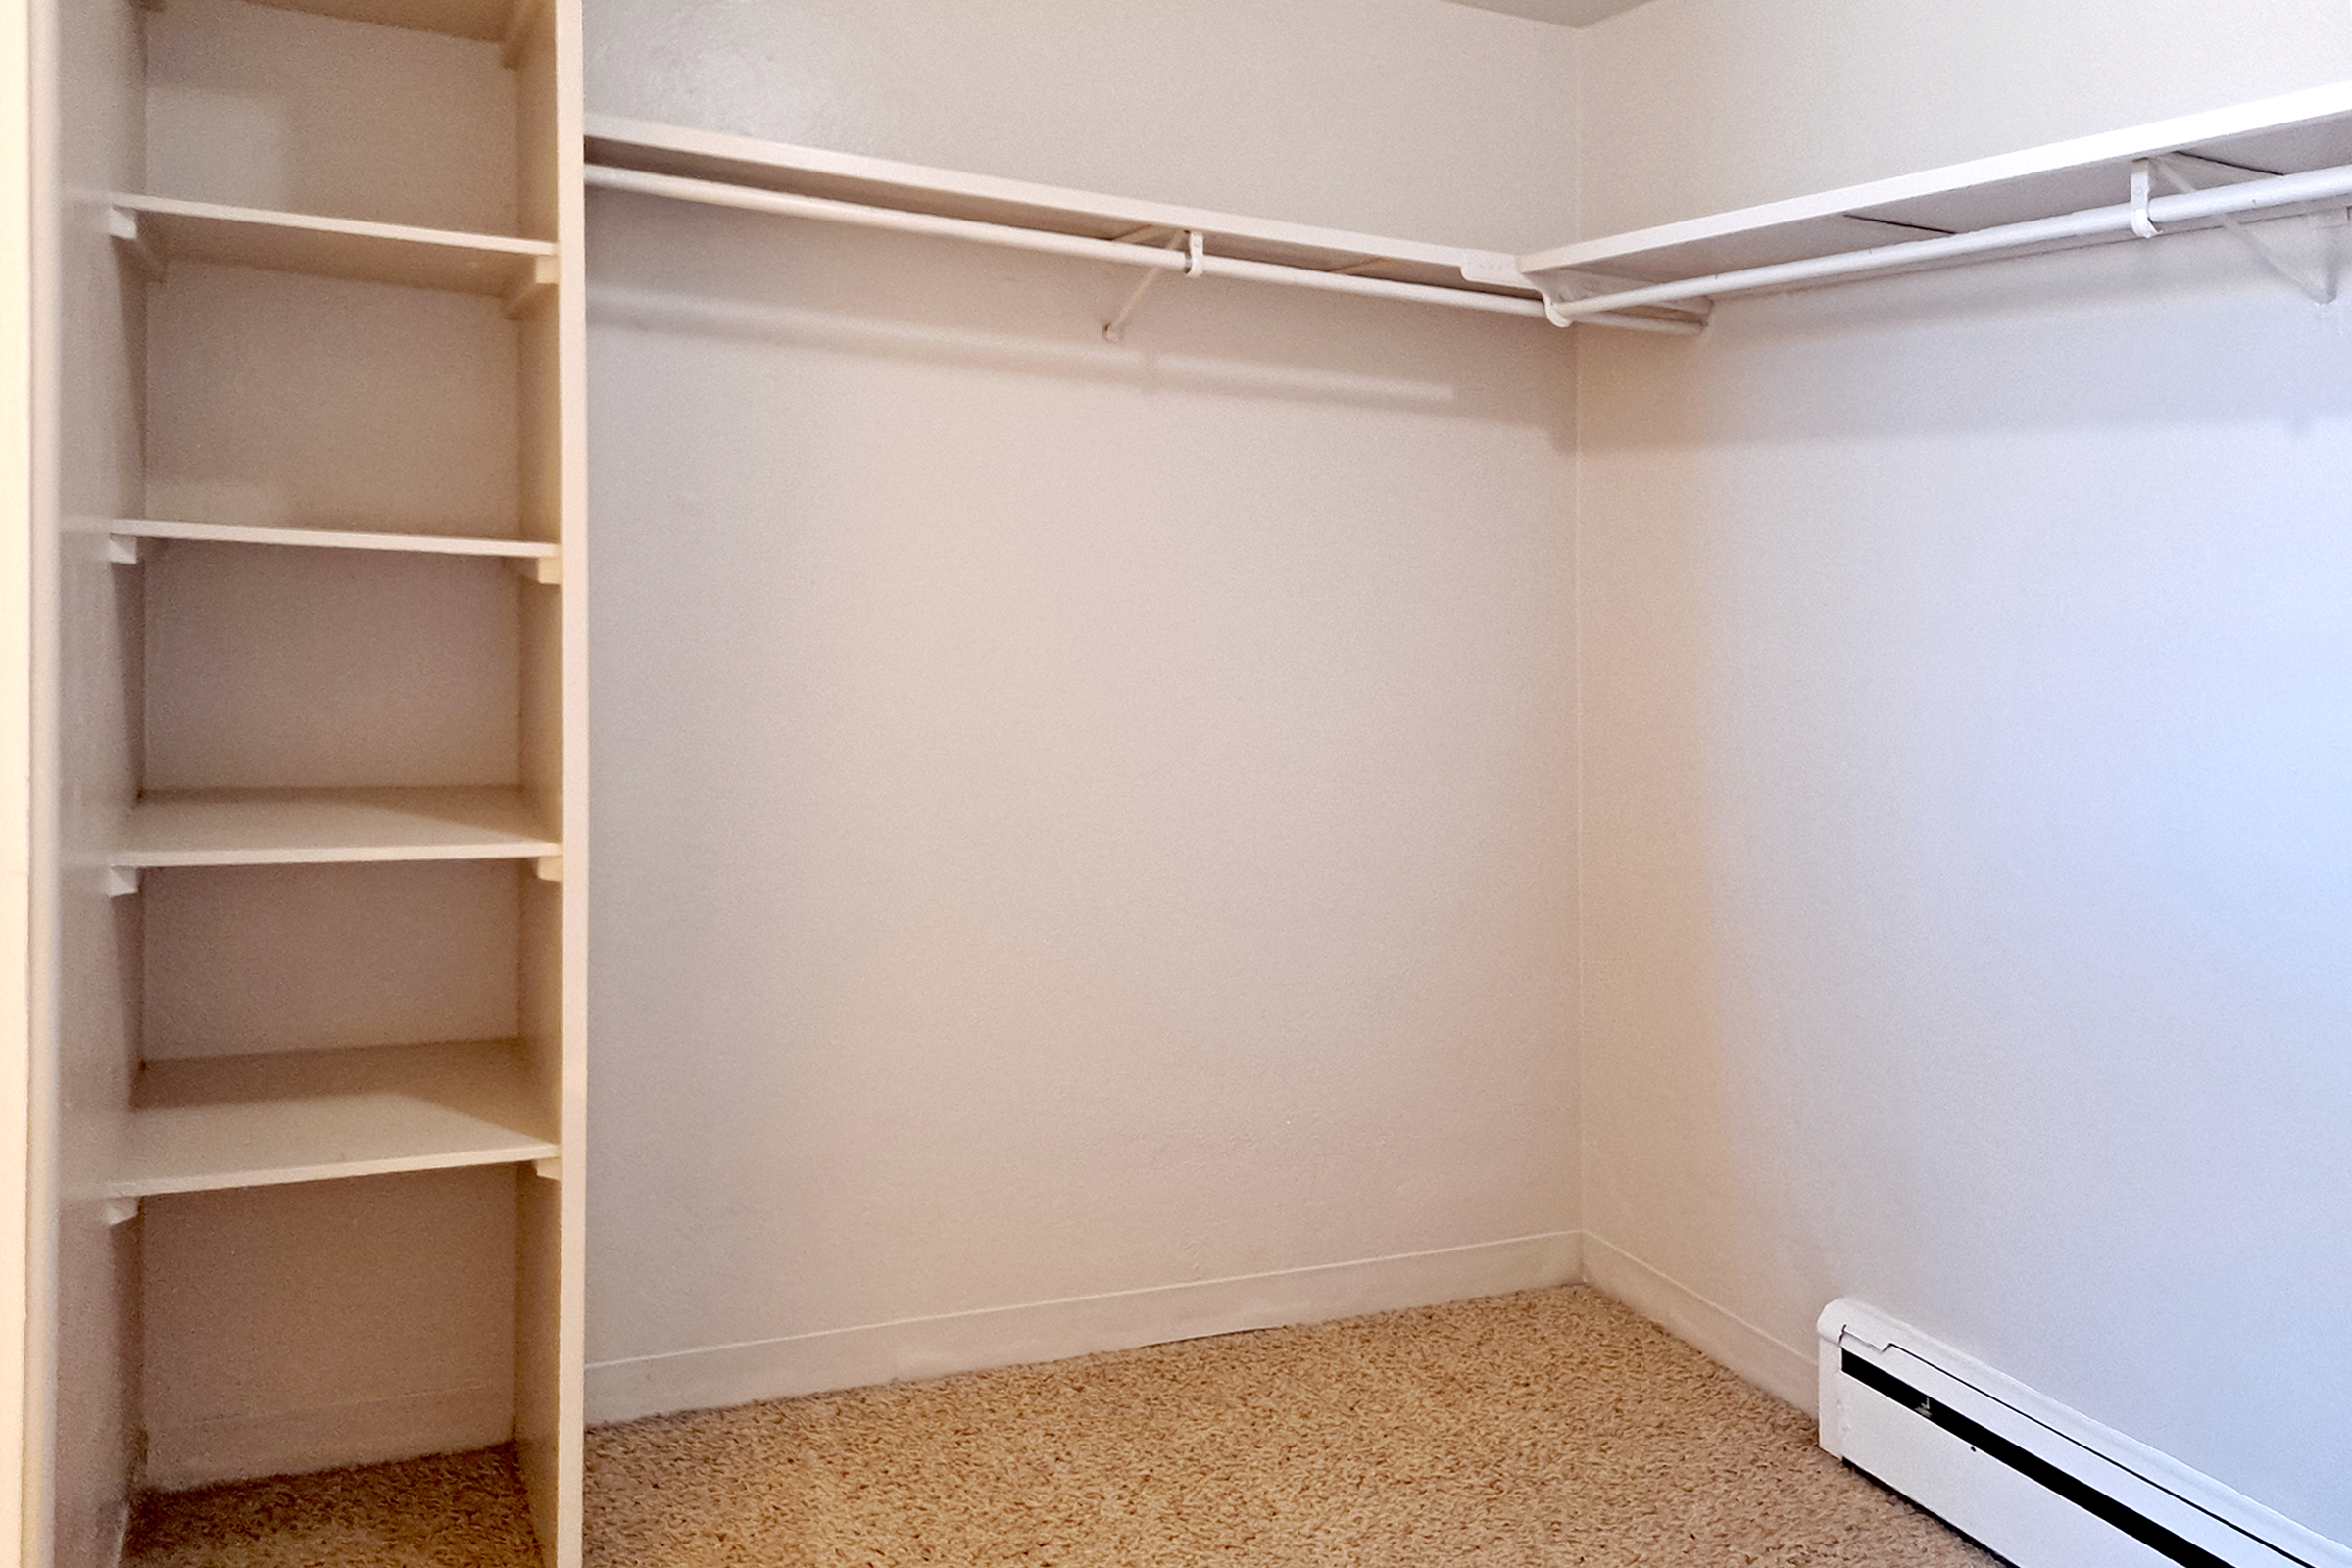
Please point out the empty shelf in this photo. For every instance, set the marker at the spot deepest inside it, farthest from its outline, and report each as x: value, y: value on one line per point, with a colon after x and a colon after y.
x: 291, y: 828
x: 165, y: 229
x: 310, y: 1115
x: 485, y: 19
x: 2301, y: 133
x: 333, y: 539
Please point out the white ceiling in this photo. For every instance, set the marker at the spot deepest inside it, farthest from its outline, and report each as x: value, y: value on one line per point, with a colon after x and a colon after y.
x: 1568, y: 13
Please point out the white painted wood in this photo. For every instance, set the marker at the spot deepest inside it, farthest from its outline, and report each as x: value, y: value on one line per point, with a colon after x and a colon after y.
x: 299, y: 1117
x: 295, y: 828
x: 2298, y: 131
x: 621, y: 143
x: 276, y: 399
x: 313, y: 1324
x: 22, y: 520
x: 484, y: 20
x: 331, y: 247
x: 551, y: 1346
x: 242, y: 959
x: 261, y: 107
x: 333, y: 539
x: 857, y: 1354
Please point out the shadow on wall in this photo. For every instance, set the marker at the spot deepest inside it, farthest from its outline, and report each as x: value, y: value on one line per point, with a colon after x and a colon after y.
x: 756, y: 277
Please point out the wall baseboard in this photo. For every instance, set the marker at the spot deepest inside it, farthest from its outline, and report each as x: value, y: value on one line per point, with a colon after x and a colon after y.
x: 198, y: 1454
x: 1048, y: 1331
x: 1723, y: 1337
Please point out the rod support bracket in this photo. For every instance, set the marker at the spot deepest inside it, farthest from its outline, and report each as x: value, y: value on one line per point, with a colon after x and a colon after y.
x: 2144, y: 181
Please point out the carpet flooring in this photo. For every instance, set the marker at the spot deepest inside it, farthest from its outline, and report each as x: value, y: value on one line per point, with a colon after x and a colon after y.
x: 1528, y: 1431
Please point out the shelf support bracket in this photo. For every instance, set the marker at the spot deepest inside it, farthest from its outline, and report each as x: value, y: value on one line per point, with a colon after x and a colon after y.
x: 123, y: 225
x: 549, y: 867
x: 548, y: 1168
x: 545, y: 570
x: 124, y: 550
x: 121, y: 881
x: 2321, y: 293
x: 543, y: 276
x: 119, y: 1210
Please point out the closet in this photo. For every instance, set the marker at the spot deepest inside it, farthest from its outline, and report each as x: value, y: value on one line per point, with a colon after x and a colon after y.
x: 1135, y: 801
x: 320, y: 785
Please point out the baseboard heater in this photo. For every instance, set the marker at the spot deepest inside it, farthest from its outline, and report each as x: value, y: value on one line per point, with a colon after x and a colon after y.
x: 2031, y: 1480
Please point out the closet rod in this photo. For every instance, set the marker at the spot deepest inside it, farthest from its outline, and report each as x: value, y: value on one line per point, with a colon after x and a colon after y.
x: 2276, y: 190
x: 718, y: 193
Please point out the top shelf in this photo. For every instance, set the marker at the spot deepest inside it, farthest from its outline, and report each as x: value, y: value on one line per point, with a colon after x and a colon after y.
x: 486, y: 21
x: 647, y: 147
x: 2294, y: 134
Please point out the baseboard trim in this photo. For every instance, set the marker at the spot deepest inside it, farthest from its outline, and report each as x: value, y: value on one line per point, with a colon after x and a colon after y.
x: 240, y: 1447
x: 1715, y: 1332
x: 1048, y: 1331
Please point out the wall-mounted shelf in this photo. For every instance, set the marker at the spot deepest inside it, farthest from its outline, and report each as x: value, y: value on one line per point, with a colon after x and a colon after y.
x: 2274, y: 158
x: 435, y: 544
x: 310, y: 1115
x: 312, y: 827
x: 161, y: 229
x: 687, y: 165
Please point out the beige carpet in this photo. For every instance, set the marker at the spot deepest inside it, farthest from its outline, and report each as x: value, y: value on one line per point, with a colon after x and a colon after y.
x: 1547, y: 1428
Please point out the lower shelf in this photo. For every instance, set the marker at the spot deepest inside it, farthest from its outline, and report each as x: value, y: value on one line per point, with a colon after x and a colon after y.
x: 291, y: 828
x: 312, y: 1115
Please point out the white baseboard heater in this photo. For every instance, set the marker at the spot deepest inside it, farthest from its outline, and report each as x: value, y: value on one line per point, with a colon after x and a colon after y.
x: 2026, y: 1478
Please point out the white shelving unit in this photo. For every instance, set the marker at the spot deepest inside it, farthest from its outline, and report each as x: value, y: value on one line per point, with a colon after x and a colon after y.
x: 316, y: 618
x: 2282, y: 157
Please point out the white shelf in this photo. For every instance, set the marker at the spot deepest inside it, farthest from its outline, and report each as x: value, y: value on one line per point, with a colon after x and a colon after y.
x: 677, y: 151
x: 482, y: 20
x: 165, y: 229
x: 333, y: 539
x: 297, y: 827
x: 310, y: 1115
x: 2294, y: 134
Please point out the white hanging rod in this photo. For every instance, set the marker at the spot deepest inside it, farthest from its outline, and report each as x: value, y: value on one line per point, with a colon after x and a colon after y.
x: 749, y: 198
x: 2278, y: 190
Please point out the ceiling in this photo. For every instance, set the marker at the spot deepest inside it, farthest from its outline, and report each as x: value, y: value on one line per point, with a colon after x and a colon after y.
x: 1568, y: 13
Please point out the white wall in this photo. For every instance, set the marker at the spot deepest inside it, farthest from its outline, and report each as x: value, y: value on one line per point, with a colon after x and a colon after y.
x: 1966, y: 873
x: 1408, y: 117
x: 1699, y: 105
x: 1075, y: 824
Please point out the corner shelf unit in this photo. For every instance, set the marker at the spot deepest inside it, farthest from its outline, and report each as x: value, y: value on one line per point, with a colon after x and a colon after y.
x: 2279, y: 156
